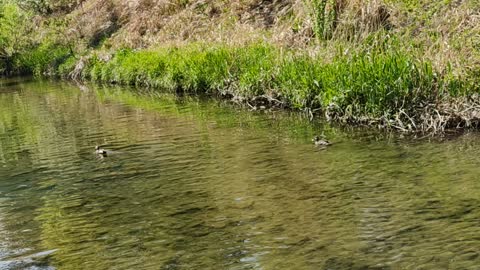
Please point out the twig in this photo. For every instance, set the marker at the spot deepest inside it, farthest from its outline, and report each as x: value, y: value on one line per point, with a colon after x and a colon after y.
x: 409, y: 118
x: 251, y: 107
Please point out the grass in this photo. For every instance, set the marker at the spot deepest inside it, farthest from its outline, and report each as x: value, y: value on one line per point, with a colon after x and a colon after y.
x: 371, y: 84
x: 391, y: 62
x: 42, y: 60
x: 189, y: 69
x: 379, y: 84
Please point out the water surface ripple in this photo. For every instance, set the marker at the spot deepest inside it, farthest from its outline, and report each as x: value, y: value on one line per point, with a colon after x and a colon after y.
x: 195, y: 184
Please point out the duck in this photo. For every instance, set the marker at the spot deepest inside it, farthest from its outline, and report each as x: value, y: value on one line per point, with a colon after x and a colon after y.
x: 101, y: 152
x: 321, y: 142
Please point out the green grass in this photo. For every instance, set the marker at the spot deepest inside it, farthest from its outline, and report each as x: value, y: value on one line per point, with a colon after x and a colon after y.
x: 42, y: 60
x: 191, y: 69
x: 376, y: 82
x: 368, y: 83
x: 424, y: 55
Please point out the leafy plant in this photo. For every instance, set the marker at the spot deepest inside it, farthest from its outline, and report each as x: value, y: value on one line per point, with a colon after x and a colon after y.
x: 14, y: 37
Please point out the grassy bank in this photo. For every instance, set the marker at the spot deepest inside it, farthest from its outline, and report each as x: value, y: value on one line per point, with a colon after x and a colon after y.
x: 370, y: 69
x: 385, y: 87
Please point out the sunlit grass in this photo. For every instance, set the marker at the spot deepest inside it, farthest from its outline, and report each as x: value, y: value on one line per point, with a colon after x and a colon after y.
x: 374, y: 83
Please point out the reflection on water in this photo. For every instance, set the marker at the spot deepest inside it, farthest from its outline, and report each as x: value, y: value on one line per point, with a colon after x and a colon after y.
x: 198, y: 185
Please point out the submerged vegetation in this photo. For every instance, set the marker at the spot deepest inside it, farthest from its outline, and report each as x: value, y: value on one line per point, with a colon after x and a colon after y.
x: 393, y: 64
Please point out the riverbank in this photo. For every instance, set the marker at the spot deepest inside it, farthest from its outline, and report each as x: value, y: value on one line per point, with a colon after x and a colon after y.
x: 386, y: 88
x: 377, y: 78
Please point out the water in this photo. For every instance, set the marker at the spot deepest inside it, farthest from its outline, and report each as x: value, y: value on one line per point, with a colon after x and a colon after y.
x: 199, y: 184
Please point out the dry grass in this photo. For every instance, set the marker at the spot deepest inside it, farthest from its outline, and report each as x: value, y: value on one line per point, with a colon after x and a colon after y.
x: 151, y: 23
x: 445, y: 33
x: 356, y: 19
x: 148, y: 23
x: 448, y: 35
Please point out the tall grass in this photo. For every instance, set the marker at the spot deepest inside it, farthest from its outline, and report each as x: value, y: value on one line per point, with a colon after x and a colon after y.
x: 42, y: 60
x: 364, y: 84
x: 372, y: 84
x: 324, y: 15
x: 245, y: 70
x: 379, y: 81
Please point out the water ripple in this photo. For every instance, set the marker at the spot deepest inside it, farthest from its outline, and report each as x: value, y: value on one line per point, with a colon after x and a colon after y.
x: 197, y: 185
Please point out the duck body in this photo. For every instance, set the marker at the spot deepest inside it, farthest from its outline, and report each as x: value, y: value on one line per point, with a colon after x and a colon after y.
x: 101, y: 152
x: 321, y: 142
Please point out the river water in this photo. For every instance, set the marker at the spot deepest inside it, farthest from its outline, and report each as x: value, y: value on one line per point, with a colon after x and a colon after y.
x: 200, y: 184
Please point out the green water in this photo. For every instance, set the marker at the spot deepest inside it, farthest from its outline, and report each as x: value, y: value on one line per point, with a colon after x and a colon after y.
x: 199, y: 184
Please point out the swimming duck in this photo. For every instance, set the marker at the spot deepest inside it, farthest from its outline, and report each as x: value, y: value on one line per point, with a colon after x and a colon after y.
x: 101, y: 152
x: 321, y: 142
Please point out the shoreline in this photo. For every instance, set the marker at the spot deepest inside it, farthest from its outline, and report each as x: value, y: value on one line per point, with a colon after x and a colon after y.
x: 320, y: 57
x: 385, y: 89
